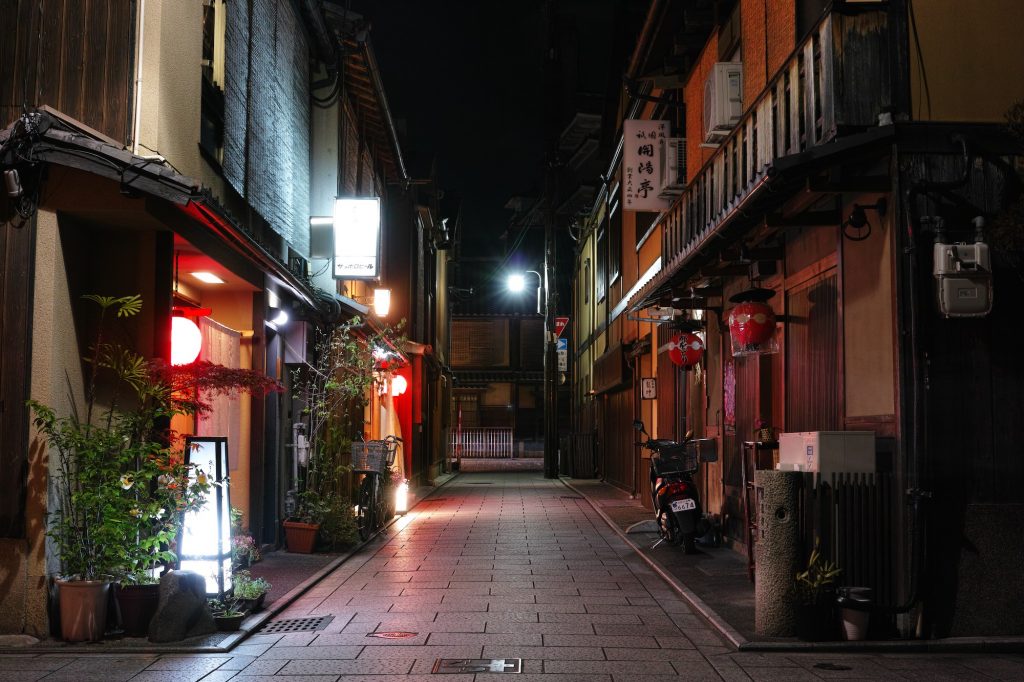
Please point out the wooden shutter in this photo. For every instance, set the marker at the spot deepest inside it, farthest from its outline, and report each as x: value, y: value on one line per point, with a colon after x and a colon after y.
x: 812, y: 356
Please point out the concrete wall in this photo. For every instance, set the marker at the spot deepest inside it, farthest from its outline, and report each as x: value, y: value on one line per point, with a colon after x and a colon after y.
x: 868, y: 319
x: 55, y: 362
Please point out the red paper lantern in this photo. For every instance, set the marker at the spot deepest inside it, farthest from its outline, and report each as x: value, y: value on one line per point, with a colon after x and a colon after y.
x: 751, y: 323
x: 685, y: 350
x: 186, y: 341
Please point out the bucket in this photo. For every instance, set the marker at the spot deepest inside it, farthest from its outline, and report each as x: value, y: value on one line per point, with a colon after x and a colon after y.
x: 855, y: 606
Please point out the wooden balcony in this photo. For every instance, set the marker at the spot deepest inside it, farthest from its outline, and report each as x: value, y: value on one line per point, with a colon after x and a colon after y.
x: 834, y: 85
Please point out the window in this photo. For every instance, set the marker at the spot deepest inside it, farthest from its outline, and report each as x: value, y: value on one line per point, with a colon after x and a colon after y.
x: 645, y: 221
x: 211, y: 131
x: 614, y: 239
x: 600, y: 282
x: 586, y: 281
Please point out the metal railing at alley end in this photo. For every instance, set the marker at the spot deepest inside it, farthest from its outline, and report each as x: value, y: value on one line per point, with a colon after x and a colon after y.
x: 479, y: 443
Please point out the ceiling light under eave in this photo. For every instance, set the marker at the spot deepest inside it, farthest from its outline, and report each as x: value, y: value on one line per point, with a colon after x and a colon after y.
x: 207, y: 277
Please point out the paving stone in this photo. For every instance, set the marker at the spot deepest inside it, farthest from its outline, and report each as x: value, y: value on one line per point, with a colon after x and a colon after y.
x: 187, y: 675
x: 306, y: 652
x: 28, y: 663
x: 220, y: 675
x: 264, y: 667
x: 285, y: 678
x: 206, y: 663
x: 21, y: 675
x: 616, y: 654
x: 544, y: 653
x: 644, y: 668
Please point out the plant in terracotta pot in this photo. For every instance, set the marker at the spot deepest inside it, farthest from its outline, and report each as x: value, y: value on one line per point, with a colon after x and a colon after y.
x: 334, y: 389
x: 121, y: 485
x: 816, y: 591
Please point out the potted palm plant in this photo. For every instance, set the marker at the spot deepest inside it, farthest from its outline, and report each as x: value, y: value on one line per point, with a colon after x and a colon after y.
x: 815, y: 590
x: 121, y: 483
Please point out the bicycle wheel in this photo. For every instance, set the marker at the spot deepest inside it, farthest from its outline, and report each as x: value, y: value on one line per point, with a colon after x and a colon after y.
x: 365, y: 511
x: 385, y: 504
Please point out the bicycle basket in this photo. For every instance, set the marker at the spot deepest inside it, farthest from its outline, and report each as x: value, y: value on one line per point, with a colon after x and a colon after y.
x: 369, y: 456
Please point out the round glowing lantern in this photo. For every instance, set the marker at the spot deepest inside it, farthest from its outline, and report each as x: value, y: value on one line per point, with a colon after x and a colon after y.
x: 685, y: 350
x: 751, y: 323
x: 398, y: 385
x: 186, y: 341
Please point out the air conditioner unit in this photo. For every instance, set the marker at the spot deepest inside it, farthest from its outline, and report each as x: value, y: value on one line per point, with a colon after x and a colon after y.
x: 723, y: 100
x: 673, y: 167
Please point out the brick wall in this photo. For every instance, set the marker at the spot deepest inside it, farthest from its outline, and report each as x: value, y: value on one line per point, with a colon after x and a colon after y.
x: 693, y: 95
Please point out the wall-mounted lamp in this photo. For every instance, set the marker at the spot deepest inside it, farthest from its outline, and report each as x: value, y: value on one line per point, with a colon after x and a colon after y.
x: 399, y: 385
x: 277, y: 317
x: 381, y: 302
x: 858, y: 219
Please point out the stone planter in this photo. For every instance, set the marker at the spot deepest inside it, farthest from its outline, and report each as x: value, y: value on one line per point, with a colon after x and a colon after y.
x: 301, y: 537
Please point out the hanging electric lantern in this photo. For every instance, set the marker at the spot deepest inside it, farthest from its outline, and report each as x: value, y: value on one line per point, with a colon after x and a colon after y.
x: 685, y: 349
x: 186, y: 341
x: 752, y: 323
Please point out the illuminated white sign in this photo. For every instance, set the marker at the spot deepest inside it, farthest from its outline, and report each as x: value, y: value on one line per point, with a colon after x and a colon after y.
x: 357, y: 238
x: 642, y: 154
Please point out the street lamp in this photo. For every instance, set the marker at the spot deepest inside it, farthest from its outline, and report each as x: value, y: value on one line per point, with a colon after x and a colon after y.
x: 517, y: 282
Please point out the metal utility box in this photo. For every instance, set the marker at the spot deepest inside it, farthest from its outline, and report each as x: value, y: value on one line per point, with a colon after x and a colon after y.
x: 825, y: 452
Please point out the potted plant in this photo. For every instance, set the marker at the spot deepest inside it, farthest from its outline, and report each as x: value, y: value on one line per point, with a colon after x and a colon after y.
x: 121, y: 483
x: 244, y: 551
x: 815, y: 590
x: 226, y: 614
x: 249, y: 592
x: 334, y: 390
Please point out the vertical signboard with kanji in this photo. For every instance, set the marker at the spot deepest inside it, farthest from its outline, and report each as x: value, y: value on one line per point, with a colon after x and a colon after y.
x: 642, y: 155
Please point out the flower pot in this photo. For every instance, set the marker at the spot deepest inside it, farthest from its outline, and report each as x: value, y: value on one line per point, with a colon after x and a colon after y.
x: 138, y: 605
x: 83, y: 609
x: 229, y: 623
x: 815, y: 622
x: 300, y: 537
x: 855, y: 624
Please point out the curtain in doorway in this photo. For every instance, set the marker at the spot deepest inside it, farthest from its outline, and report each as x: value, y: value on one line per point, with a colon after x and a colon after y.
x: 222, y: 346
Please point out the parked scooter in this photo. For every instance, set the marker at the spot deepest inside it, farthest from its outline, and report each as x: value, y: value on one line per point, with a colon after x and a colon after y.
x: 674, y: 495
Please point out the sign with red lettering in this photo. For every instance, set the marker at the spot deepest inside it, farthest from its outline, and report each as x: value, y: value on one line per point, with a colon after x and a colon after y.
x: 560, y: 324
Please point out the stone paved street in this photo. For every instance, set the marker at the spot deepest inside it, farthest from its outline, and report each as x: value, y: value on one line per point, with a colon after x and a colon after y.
x: 501, y: 566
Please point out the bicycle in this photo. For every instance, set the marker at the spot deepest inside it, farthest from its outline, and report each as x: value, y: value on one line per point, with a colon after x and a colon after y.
x: 374, y: 459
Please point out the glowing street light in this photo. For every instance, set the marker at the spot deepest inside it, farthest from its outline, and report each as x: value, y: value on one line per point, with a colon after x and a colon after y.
x: 517, y: 283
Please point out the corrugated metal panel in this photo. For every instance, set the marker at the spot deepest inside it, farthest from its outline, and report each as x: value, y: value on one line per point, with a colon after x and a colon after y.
x: 812, y: 357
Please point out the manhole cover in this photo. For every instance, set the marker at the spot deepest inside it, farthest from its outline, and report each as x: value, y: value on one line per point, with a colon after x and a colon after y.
x: 295, y: 625
x: 477, y: 665
x: 392, y: 635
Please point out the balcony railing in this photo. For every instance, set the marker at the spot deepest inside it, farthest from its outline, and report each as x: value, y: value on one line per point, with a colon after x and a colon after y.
x: 836, y: 81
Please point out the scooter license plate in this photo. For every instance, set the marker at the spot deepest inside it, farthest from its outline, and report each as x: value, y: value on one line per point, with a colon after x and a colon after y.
x: 685, y: 504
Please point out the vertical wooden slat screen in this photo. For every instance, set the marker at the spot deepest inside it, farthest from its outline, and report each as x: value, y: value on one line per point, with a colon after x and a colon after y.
x: 16, y: 294
x: 617, y: 438
x: 668, y: 381
x: 812, y: 356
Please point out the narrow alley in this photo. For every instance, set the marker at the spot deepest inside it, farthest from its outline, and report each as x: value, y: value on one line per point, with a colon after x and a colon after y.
x: 499, y: 566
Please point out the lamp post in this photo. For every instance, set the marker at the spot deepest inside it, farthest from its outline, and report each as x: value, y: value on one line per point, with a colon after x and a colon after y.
x: 516, y: 283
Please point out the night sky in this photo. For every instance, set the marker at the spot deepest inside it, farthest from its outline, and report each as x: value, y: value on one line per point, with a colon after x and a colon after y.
x: 464, y: 81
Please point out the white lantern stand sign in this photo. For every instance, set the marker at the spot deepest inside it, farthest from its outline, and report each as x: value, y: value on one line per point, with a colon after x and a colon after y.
x: 205, y: 546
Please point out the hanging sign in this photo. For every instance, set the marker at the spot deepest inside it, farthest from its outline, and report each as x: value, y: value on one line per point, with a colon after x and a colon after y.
x: 357, y: 238
x: 562, y: 351
x: 642, y: 157
x: 648, y: 388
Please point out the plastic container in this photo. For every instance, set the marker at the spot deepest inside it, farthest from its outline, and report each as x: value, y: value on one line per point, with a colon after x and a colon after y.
x: 855, y: 605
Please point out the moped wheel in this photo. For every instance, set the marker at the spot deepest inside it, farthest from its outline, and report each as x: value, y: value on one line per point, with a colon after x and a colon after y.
x: 689, y: 541
x: 670, y: 529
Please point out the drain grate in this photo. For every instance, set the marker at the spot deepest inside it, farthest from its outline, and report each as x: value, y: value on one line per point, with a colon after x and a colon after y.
x: 397, y: 634
x: 477, y: 665
x: 309, y: 624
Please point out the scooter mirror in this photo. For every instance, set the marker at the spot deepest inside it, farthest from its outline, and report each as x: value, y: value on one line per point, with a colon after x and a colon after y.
x: 638, y: 425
